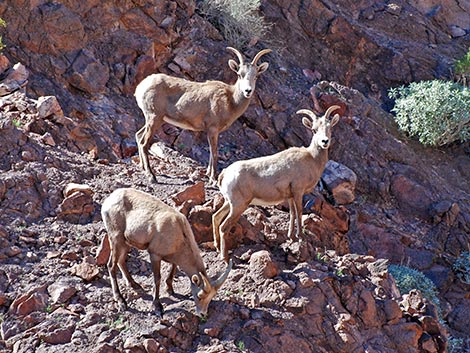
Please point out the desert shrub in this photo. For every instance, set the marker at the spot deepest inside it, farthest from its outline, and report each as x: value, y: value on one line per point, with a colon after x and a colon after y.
x: 437, y: 112
x: 461, y: 267
x: 2, y: 24
x: 239, y: 21
x: 455, y: 345
x: 407, y: 279
x: 462, y: 69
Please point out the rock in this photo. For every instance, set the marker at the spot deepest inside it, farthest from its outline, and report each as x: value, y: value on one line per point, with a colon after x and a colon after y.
x: 340, y: 181
x: 200, y: 218
x: 59, y: 335
x: 457, y: 32
x: 16, y: 78
x: 34, y: 300
x: 71, y: 188
x: 262, y: 264
x: 194, y: 194
x: 151, y: 345
x: 78, y: 206
x: 411, y: 196
x: 88, y: 74
x: 86, y: 271
x: 4, y: 64
x: 60, y: 292
x: 103, y: 252
x: 48, y: 106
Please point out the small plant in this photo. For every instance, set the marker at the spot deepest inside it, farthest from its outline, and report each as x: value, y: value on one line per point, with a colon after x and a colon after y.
x: 15, y: 122
x: 241, y: 345
x: 407, y: 279
x: 437, y: 112
x: 48, y: 309
x: 455, y: 345
x: 2, y: 24
x: 340, y: 273
x: 202, y: 319
x: 462, y: 69
x: 461, y: 267
x: 238, y: 21
x: 116, y: 324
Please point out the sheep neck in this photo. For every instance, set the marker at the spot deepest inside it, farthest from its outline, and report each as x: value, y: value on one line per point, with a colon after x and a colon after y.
x: 318, y: 153
x: 239, y: 101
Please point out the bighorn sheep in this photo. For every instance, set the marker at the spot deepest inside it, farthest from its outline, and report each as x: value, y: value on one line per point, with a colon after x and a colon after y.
x: 269, y: 180
x: 210, y: 106
x: 136, y: 219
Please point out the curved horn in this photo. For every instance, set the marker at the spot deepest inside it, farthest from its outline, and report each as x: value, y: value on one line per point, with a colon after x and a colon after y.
x: 307, y: 112
x: 205, y: 282
x: 218, y: 283
x: 237, y: 53
x: 259, y: 55
x: 330, y: 110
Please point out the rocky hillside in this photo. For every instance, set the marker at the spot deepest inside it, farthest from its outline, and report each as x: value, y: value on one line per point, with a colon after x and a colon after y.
x: 67, y: 115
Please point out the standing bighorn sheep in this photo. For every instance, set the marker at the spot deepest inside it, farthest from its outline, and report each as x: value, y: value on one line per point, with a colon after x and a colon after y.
x: 269, y: 180
x: 137, y: 219
x: 210, y: 106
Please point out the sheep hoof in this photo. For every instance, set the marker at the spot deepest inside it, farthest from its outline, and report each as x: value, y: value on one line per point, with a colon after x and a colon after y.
x: 158, y: 309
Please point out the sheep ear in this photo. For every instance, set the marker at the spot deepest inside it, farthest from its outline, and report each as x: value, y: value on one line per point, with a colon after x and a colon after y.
x: 307, y: 123
x: 335, y: 120
x: 195, y: 279
x: 262, y: 68
x: 233, y: 65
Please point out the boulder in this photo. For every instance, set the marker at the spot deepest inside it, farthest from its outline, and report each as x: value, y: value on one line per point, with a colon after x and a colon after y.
x: 340, y: 181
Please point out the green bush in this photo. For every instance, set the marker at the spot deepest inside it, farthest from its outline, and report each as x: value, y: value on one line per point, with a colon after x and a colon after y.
x: 239, y: 21
x: 437, y: 112
x: 462, y: 69
x: 461, y: 267
x: 2, y: 24
x: 407, y: 279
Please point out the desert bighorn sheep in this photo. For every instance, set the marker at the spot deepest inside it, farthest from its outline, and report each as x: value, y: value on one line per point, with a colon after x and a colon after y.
x: 136, y: 219
x: 269, y: 180
x: 210, y: 106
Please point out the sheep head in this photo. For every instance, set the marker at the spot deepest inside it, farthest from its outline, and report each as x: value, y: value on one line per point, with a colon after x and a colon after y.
x: 320, y: 126
x: 247, y: 72
x: 204, y: 290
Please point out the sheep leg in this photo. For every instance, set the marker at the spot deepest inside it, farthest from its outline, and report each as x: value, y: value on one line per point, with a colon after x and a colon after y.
x: 213, y: 140
x: 144, y: 138
x: 138, y: 139
x: 156, y: 262
x: 169, y: 280
x: 125, y: 271
x: 112, y: 269
x: 298, y: 214
x: 292, y: 218
x: 216, y: 220
x: 226, y: 226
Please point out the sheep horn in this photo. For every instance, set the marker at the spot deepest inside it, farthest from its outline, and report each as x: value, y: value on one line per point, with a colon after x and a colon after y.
x: 259, y: 55
x: 330, y: 110
x: 205, y: 281
x: 218, y: 283
x: 307, y: 112
x: 237, y: 53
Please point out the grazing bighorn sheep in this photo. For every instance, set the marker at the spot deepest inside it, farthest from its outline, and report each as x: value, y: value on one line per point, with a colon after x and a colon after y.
x: 269, y: 180
x: 210, y: 106
x: 136, y: 219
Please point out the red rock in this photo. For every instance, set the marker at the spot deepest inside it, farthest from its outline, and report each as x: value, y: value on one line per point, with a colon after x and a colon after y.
x: 86, y: 271
x: 60, y: 335
x: 34, y: 300
x: 103, y: 252
x: 262, y: 264
x: 194, y: 193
